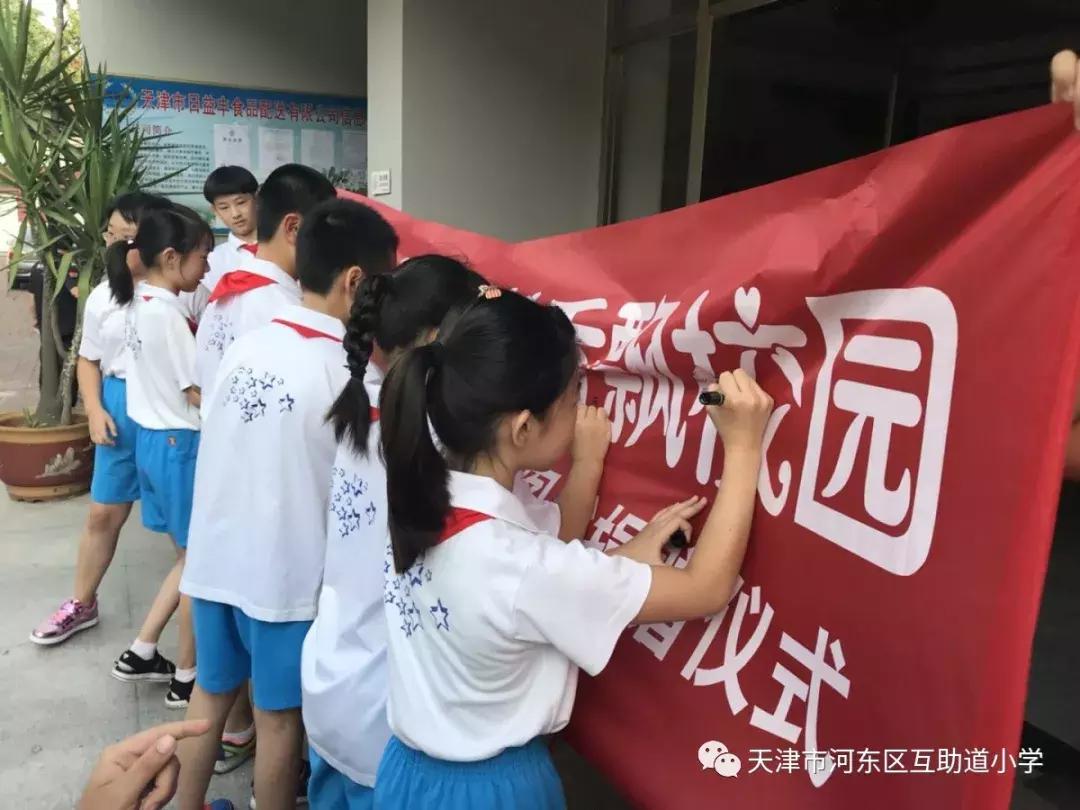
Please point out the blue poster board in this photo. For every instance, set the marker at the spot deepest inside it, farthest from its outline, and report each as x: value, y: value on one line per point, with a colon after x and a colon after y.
x: 206, y: 126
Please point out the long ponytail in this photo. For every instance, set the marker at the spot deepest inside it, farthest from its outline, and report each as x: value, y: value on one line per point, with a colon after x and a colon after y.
x: 177, y: 227
x: 417, y: 476
x: 121, y: 284
x: 351, y: 412
x: 499, y: 355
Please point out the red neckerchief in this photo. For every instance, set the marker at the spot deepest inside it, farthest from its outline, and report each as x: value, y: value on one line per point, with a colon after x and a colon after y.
x: 458, y: 520
x: 236, y: 282
x: 251, y: 247
x: 306, y: 331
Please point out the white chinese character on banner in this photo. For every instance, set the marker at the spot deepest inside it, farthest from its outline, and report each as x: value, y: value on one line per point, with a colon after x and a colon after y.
x: 880, y: 411
x: 753, y: 337
x: 695, y: 341
x: 540, y: 483
x: 619, y: 533
x: 746, y: 332
x: 735, y: 657
x: 777, y: 722
x: 646, y: 375
x: 590, y: 336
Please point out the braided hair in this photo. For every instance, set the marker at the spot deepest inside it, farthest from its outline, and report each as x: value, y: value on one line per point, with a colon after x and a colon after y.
x: 395, y: 311
x: 351, y: 412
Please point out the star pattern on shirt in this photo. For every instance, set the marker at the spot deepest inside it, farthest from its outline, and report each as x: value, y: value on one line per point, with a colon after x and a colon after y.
x: 347, y: 502
x: 221, y: 334
x: 248, y: 390
x: 416, y: 573
x: 131, y: 336
x: 400, y: 595
x: 442, y: 616
x: 286, y: 403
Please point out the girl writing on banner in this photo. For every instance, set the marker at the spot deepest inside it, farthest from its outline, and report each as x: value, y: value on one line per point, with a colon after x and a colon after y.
x: 489, y: 614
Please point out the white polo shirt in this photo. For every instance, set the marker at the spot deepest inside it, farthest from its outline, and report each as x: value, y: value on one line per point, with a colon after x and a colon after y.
x: 488, y: 629
x: 103, y: 332
x: 195, y: 302
x: 223, y: 258
x: 231, y: 317
x: 262, y: 480
x: 343, y: 669
x: 158, y: 335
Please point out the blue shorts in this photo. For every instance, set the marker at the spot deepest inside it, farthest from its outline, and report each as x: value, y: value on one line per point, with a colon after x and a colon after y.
x: 116, y: 479
x: 329, y: 789
x: 231, y: 648
x: 523, y: 778
x: 166, y: 463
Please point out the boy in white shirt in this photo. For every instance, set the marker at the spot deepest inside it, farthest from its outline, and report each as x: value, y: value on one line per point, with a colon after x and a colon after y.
x: 259, y: 287
x: 258, y: 530
x: 230, y: 190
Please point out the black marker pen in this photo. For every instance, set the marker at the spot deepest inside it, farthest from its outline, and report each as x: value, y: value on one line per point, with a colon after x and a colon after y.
x: 711, y: 398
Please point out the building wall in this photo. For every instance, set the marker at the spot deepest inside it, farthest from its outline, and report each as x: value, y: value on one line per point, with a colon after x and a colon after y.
x: 488, y: 115
x: 317, y: 46
x: 385, y: 49
x: 501, y: 116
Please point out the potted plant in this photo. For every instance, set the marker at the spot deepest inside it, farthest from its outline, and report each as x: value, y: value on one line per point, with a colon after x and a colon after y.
x: 65, y: 151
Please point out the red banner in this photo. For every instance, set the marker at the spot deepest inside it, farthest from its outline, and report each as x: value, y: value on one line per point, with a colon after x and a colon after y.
x: 916, y: 316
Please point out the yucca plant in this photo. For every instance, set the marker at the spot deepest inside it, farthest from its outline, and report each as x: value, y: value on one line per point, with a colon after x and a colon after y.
x: 66, y: 149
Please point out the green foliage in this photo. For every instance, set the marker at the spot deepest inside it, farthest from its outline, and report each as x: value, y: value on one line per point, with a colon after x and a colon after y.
x: 64, y: 153
x: 42, y: 38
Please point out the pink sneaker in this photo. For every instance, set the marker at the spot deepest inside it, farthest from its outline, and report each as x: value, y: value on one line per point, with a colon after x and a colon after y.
x: 70, y: 618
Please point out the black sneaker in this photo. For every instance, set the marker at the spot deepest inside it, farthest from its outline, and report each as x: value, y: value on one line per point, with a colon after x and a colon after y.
x: 130, y: 668
x: 179, y: 694
x: 301, y: 787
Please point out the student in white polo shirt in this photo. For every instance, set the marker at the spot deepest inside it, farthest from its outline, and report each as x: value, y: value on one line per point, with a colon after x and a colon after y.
x: 163, y: 401
x: 231, y: 191
x: 489, y: 614
x: 261, y: 285
x: 102, y: 372
x: 258, y: 531
x: 344, y: 658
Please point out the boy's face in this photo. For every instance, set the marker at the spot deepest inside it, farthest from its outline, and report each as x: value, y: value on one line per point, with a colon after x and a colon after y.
x: 237, y: 211
x: 118, y: 229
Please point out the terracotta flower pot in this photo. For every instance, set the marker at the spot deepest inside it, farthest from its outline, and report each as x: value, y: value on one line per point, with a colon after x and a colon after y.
x: 42, y: 464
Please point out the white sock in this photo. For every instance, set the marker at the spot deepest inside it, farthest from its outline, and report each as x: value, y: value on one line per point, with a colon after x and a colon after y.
x: 144, y: 649
x: 185, y: 675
